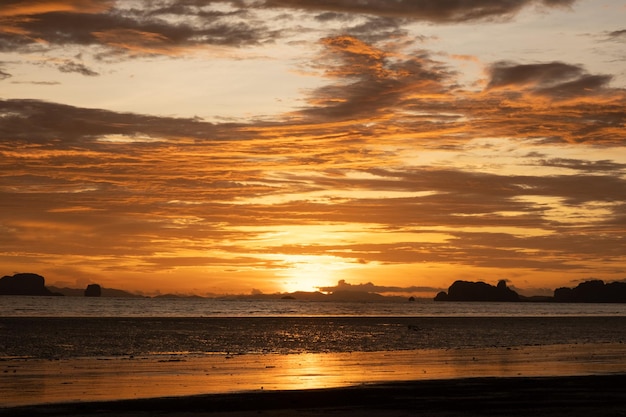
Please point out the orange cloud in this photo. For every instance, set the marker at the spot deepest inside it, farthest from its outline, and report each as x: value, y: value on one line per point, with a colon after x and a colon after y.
x: 388, y: 166
x: 139, y: 42
x: 147, y: 29
x: 470, y: 58
x: 35, y: 7
x: 449, y: 11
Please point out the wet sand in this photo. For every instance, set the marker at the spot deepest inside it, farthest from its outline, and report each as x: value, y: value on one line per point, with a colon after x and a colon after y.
x: 539, y: 380
x: 65, y: 338
x: 522, y: 396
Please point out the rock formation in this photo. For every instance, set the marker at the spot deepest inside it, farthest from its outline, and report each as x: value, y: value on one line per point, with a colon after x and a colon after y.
x: 478, y: 291
x: 594, y: 291
x: 93, y: 290
x: 23, y: 284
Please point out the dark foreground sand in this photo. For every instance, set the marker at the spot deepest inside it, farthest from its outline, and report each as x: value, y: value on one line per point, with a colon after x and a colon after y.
x: 556, y: 380
x: 595, y: 395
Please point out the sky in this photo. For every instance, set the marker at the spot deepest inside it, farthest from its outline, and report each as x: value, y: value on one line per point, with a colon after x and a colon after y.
x: 263, y: 146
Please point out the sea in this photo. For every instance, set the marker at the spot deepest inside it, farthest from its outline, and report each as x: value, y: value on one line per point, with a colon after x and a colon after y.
x: 79, y: 327
x: 28, y: 306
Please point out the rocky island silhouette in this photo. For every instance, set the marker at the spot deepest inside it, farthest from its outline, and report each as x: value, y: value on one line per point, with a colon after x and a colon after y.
x: 592, y: 291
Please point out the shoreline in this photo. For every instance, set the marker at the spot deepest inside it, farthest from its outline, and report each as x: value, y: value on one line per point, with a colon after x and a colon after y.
x: 498, y: 396
x: 25, y: 382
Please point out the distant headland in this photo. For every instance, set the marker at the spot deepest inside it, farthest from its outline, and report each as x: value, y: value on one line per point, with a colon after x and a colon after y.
x: 35, y: 285
x: 592, y: 291
x: 24, y: 284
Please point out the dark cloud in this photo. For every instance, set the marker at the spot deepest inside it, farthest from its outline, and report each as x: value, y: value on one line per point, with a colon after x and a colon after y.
x: 550, y: 102
x: 476, y: 193
x: 4, y: 75
x: 144, y: 31
x: 376, y: 29
x: 618, y: 35
x: 441, y: 11
x: 56, y: 124
x: 505, y: 74
x: 77, y: 67
x: 370, y: 80
x: 586, y: 85
x: 584, y: 165
x: 555, y: 79
x: 37, y: 82
x: 553, y: 102
x: 334, y: 16
x: 174, y: 27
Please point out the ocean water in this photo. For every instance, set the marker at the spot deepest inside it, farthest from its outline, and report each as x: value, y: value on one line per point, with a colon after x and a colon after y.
x: 17, y: 306
x: 67, y: 327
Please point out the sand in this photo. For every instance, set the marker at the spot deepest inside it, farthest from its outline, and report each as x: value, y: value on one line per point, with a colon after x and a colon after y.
x: 530, y: 380
x: 521, y: 396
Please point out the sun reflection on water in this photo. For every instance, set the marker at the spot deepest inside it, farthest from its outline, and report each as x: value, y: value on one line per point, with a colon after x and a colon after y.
x: 42, y: 381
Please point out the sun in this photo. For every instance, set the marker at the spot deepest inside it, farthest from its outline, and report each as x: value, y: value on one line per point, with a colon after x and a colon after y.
x: 310, y: 272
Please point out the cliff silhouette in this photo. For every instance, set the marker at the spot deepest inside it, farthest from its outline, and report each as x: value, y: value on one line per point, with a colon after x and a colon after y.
x: 24, y: 284
x: 595, y: 291
x: 592, y: 291
x: 93, y: 290
x: 478, y: 291
x: 35, y: 285
x: 104, y: 292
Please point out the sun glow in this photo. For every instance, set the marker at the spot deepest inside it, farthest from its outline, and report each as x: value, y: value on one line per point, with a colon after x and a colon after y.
x: 310, y: 272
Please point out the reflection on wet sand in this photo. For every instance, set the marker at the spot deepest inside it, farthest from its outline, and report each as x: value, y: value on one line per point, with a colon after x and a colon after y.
x: 45, y: 381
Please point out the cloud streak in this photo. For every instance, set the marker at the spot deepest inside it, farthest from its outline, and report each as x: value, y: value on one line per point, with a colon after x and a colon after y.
x: 77, y: 67
x: 146, y: 30
x: 444, y: 11
x: 178, y: 27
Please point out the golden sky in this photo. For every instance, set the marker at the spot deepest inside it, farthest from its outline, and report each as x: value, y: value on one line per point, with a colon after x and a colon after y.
x: 215, y: 147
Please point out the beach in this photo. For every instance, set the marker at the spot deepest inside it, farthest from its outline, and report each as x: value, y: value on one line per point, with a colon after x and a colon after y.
x: 309, y: 366
x: 549, y: 378
x: 521, y: 396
